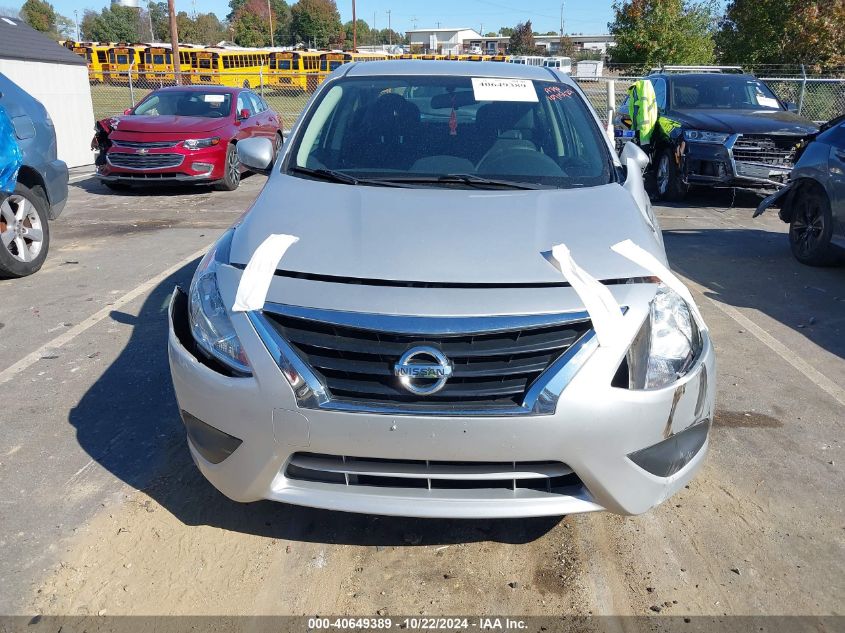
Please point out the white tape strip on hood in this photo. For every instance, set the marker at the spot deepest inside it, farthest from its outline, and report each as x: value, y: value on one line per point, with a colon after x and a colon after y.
x: 646, y: 260
x: 604, y: 311
x: 256, y: 278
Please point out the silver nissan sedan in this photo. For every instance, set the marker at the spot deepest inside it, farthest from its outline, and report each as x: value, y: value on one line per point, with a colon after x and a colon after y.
x: 451, y: 299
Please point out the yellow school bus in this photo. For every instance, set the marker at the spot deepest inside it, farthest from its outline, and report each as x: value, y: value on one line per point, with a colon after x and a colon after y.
x: 366, y: 57
x: 156, y: 65
x: 295, y: 70
x: 234, y: 67
x: 96, y: 55
x: 496, y: 58
x: 120, y: 59
x: 410, y: 56
x: 433, y: 56
x: 332, y: 61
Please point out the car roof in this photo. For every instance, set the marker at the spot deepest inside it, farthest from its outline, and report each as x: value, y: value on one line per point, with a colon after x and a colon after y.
x: 224, y: 89
x: 502, y: 70
x: 703, y: 75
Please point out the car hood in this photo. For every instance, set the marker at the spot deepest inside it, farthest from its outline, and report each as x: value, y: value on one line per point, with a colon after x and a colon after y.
x: 745, y: 121
x: 444, y: 235
x: 166, y: 124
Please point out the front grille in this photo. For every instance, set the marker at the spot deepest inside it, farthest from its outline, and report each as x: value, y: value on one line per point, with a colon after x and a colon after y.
x: 490, y: 369
x: 774, y: 150
x: 144, y: 161
x: 546, y: 476
x: 144, y: 144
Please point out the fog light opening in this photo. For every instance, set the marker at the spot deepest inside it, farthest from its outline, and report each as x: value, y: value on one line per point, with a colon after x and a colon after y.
x: 213, y: 444
x: 666, y: 458
x: 202, y: 167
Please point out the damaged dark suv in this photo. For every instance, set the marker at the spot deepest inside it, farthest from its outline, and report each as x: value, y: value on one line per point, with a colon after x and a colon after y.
x: 721, y: 130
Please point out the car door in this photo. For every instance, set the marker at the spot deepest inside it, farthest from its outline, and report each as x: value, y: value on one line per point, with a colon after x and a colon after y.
x: 267, y: 121
x: 248, y: 124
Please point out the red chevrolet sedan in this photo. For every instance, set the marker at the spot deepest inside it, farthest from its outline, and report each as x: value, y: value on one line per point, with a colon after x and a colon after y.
x: 183, y: 134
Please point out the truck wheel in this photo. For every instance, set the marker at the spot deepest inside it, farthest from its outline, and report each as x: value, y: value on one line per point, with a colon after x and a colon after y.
x: 232, y: 172
x: 811, y: 228
x: 668, y: 182
x: 24, y: 233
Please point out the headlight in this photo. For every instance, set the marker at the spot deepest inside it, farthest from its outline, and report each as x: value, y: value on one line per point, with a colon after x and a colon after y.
x: 200, y: 143
x: 210, y: 323
x: 666, y: 346
x: 702, y: 136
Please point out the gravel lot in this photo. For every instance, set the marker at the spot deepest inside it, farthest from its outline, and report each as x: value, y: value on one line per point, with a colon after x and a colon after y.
x: 103, y: 512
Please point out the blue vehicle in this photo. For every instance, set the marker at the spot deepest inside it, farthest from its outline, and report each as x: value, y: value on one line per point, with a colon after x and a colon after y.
x: 813, y: 202
x: 39, y: 190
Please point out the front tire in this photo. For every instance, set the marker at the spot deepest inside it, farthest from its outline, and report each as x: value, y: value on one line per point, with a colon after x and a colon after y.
x: 24, y: 233
x: 811, y: 228
x: 232, y: 171
x: 668, y: 182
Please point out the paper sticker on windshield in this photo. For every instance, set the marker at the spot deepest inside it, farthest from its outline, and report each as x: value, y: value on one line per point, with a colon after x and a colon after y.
x: 487, y: 89
x: 767, y: 102
x: 214, y: 98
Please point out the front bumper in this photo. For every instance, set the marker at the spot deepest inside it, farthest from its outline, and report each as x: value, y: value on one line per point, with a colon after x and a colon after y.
x: 197, y: 166
x: 715, y: 165
x: 594, y: 431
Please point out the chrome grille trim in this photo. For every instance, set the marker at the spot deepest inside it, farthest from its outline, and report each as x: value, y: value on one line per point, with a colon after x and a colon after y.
x: 540, y: 398
x: 145, y: 144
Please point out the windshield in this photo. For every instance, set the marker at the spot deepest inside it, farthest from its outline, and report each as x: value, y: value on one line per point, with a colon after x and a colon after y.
x: 722, y: 92
x: 425, y: 128
x: 210, y: 105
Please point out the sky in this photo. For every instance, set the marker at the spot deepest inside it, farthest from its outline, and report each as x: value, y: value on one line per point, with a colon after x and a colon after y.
x: 580, y: 16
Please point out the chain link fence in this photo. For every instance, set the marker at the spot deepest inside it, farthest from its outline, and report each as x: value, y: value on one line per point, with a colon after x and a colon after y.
x: 817, y: 98
x: 286, y: 93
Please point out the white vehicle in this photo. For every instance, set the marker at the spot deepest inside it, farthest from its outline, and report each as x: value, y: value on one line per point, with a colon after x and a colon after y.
x: 527, y: 60
x: 450, y: 299
x: 563, y: 64
x: 589, y: 69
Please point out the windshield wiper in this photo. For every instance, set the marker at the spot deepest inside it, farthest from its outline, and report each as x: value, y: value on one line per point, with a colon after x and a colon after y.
x: 327, y: 174
x: 468, y: 179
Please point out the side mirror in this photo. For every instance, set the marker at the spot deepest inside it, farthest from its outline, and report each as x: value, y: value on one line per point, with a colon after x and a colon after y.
x: 256, y: 154
x: 791, y: 106
x: 244, y: 114
x: 634, y: 158
x: 127, y: 111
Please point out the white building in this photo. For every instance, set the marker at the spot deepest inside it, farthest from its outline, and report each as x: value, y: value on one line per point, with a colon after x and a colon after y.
x: 443, y: 41
x: 551, y: 43
x: 58, y: 78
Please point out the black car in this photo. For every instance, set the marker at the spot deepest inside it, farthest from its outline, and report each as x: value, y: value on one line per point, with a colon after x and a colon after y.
x: 41, y: 189
x: 719, y: 129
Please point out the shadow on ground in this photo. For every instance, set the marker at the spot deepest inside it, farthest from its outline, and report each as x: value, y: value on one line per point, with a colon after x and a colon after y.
x: 754, y: 268
x: 129, y: 423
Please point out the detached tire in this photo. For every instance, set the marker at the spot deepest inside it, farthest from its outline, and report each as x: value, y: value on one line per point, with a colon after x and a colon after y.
x: 24, y: 233
x: 232, y: 172
x: 668, y: 183
x: 811, y: 228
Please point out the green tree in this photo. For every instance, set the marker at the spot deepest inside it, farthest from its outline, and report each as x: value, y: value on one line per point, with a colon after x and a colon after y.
x: 567, y: 46
x: 250, y: 22
x: 112, y: 24
x: 316, y: 22
x: 160, y: 19
x: 506, y: 31
x: 651, y: 32
x: 364, y: 36
x: 783, y: 32
x: 40, y: 15
x: 522, y: 40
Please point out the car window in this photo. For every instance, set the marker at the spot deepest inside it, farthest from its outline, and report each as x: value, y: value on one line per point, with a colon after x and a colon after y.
x: 255, y: 103
x: 533, y: 132
x: 212, y: 105
x: 244, y: 103
x: 659, y: 85
x: 722, y: 92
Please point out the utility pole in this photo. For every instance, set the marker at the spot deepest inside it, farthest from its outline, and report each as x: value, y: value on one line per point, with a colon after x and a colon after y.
x: 354, y: 29
x: 270, y: 15
x: 76, y: 15
x: 150, y: 20
x: 174, y: 40
x: 389, y: 32
x: 375, y: 32
x: 560, y: 52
